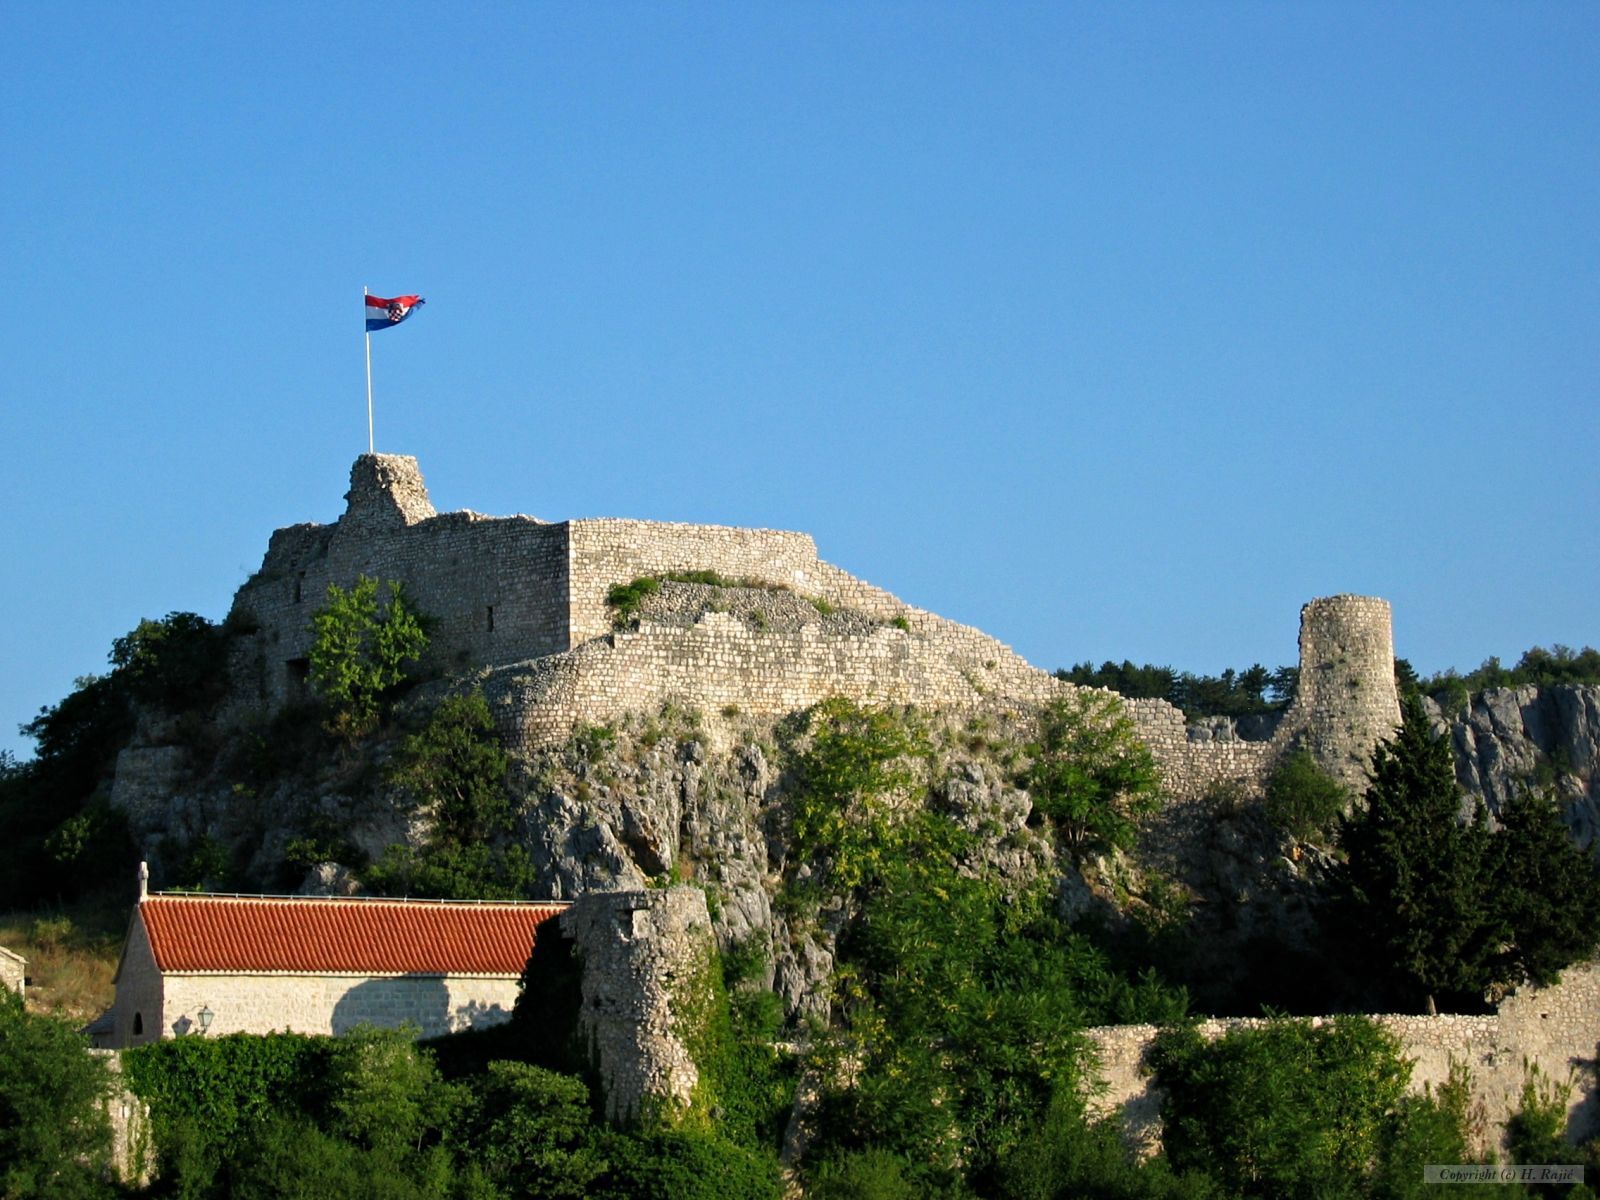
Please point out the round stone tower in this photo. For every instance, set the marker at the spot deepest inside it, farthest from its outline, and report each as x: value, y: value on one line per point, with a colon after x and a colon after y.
x: 1346, y: 702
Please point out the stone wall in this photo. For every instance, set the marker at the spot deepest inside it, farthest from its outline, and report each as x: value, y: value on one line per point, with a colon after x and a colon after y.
x: 495, y: 588
x: 335, y: 1004
x: 721, y: 661
x: 1556, y: 1028
x: 524, y: 600
x: 13, y: 971
x: 640, y: 950
x: 132, y: 1143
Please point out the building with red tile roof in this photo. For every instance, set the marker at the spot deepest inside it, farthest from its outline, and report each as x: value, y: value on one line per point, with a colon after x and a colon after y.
x: 313, y: 964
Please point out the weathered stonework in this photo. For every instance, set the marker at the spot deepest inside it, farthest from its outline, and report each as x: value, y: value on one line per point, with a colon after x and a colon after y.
x: 522, y: 602
x: 639, y: 950
x: 132, y: 1145
x: 1346, y: 701
x: 1556, y: 1029
x: 13, y: 971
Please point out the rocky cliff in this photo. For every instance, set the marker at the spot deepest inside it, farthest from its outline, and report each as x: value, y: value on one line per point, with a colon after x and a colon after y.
x: 1510, y: 739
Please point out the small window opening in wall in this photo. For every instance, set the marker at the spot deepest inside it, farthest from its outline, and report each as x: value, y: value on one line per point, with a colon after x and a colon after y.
x: 491, y: 618
x: 138, y: 1024
x: 299, y: 587
x: 299, y: 670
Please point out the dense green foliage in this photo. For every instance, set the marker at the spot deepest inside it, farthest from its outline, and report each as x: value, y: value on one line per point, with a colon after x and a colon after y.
x: 1543, y: 889
x: 54, y: 1136
x: 1291, y: 1110
x: 454, y: 770
x: 1252, y: 692
x: 1302, y: 800
x: 59, y: 838
x: 844, y: 821
x: 360, y: 650
x: 1091, y: 776
x: 172, y: 663
x: 959, y: 1001
x: 1446, y: 908
x: 1416, y: 874
x: 369, y: 1115
x: 1538, y: 667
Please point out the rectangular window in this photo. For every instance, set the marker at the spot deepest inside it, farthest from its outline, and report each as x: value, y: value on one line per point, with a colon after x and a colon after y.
x: 491, y: 618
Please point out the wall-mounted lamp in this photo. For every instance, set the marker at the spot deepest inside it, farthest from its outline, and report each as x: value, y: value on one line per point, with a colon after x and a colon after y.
x: 205, y: 1015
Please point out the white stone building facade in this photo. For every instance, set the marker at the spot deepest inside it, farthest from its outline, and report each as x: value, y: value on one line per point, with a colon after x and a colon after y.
x: 213, y: 965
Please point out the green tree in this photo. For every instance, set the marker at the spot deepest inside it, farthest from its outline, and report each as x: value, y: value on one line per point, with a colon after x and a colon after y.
x: 359, y: 651
x: 1091, y: 776
x: 1302, y: 799
x: 1545, y: 890
x: 383, y: 1090
x: 455, y: 770
x: 1416, y: 875
x: 177, y: 663
x: 839, y: 815
x: 55, y: 1138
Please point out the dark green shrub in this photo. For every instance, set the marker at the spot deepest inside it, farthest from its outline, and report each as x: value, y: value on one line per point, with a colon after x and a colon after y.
x: 871, y: 1174
x: 1282, y: 1110
x: 624, y: 599
x: 55, y: 1139
x: 530, y: 1131
x: 686, y: 1164
x: 1302, y: 800
x: 178, y: 664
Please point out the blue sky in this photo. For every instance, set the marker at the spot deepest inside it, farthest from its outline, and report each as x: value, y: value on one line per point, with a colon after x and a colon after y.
x: 1114, y: 330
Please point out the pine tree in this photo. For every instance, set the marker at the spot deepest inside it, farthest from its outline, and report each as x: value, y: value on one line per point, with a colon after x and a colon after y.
x: 1547, y: 890
x: 1417, y: 876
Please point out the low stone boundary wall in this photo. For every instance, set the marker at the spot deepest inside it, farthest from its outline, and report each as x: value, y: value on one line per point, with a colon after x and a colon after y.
x: 1556, y: 1029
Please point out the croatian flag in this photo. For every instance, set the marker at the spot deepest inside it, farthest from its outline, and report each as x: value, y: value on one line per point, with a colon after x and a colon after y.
x: 384, y: 314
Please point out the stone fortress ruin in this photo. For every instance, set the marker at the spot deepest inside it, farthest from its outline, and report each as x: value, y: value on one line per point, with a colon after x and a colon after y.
x: 518, y: 607
x: 521, y: 603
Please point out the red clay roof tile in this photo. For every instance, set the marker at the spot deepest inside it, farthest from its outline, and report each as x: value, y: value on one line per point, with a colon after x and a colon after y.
x: 337, y: 936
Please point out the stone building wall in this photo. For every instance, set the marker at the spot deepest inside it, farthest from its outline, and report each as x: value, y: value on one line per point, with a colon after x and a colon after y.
x: 334, y: 1004
x: 137, y: 1015
x: 13, y: 971
x: 169, y: 1005
x: 640, y: 951
x: 1556, y: 1028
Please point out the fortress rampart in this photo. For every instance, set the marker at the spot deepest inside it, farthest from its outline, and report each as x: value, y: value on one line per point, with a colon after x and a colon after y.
x: 523, y: 602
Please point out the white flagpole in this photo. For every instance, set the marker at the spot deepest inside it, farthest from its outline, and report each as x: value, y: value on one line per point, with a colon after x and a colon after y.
x: 368, y: 336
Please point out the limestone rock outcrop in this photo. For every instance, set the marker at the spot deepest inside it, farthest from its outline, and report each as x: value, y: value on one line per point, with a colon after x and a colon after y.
x: 1510, y: 739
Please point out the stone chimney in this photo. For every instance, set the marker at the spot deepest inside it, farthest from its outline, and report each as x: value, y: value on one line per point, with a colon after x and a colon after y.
x: 386, y: 492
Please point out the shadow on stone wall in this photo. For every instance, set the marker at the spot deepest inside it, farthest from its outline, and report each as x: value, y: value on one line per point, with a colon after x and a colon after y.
x: 420, y: 1000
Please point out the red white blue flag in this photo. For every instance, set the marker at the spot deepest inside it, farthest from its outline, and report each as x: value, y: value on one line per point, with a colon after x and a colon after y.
x: 385, y: 314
